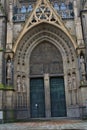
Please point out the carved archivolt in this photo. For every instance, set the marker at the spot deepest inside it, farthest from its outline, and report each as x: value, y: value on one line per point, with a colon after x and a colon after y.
x: 44, y: 31
x: 43, y: 12
x: 50, y: 34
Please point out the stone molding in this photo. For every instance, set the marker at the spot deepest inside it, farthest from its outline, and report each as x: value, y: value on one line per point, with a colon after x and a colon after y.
x: 37, y: 20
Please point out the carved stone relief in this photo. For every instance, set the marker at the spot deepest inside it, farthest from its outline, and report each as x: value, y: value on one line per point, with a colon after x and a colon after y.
x: 23, y: 84
x: 9, y: 69
x: 18, y: 84
x: 69, y: 82
x: 72, y: 87
x: 21, y: 92
x: 45, y: 58
x: 82, y: 64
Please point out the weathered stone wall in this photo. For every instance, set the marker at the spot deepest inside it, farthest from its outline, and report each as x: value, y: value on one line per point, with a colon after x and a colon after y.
x: 17, y: 28
x: 1, y: 50
x: 26, y: 45
x: 70, y: 24
x: 2, y: 46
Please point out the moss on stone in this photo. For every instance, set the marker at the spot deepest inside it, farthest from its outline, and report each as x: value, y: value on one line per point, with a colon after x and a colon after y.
x: 8, y: 87
x: 5, y: 87
x: 11, y: 117
x: 2, y: 86
x: 1, y: 49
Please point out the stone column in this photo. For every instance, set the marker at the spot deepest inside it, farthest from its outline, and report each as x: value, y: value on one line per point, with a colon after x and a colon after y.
x: 1, y: 67
x: 9, y: 111
x: 9, y: 101
x: 47, y: 95
x: 78, y: 24
x: 10, y: 27
x: 28, y: 95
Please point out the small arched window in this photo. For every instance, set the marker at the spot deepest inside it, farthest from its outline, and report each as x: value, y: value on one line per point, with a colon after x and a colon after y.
x: 23, y: 9
x: 70, y: 5
x: 15, y: 10
x: 63, y: 6
x: 56, y: 6
x: 29, y: 8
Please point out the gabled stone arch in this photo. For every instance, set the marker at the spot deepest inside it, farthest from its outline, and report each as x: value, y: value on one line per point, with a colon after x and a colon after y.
x: 49, y: 33
x: 42, y: 30
x: 46, y: 14
x: 63, y: 29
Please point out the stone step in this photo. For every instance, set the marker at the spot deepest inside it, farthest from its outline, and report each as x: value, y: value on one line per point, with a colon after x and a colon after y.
x: 47, y: 125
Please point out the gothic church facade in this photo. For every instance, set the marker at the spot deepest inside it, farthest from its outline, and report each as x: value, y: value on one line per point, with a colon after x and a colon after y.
x: 43, y: 59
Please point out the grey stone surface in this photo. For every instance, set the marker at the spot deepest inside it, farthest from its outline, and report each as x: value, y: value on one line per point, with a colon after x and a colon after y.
x: 44, y: 126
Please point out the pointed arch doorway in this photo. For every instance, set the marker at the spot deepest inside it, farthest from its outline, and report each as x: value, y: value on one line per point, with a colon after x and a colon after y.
x: 47, y: 91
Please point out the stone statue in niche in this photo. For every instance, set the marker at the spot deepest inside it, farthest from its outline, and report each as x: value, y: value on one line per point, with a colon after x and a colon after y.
x: 74, y: 85
x: 70, y: 88
x: 9, y: 69
x: 69, y: 82
x: 82, y: 65
x: 23, y: 85
x: 19, y: 84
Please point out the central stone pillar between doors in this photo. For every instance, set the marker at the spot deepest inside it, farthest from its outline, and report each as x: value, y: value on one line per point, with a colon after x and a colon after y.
x: 47, y: 95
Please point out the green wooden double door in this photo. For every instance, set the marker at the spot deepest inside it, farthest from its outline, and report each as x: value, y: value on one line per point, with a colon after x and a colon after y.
x: 37, y: 97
